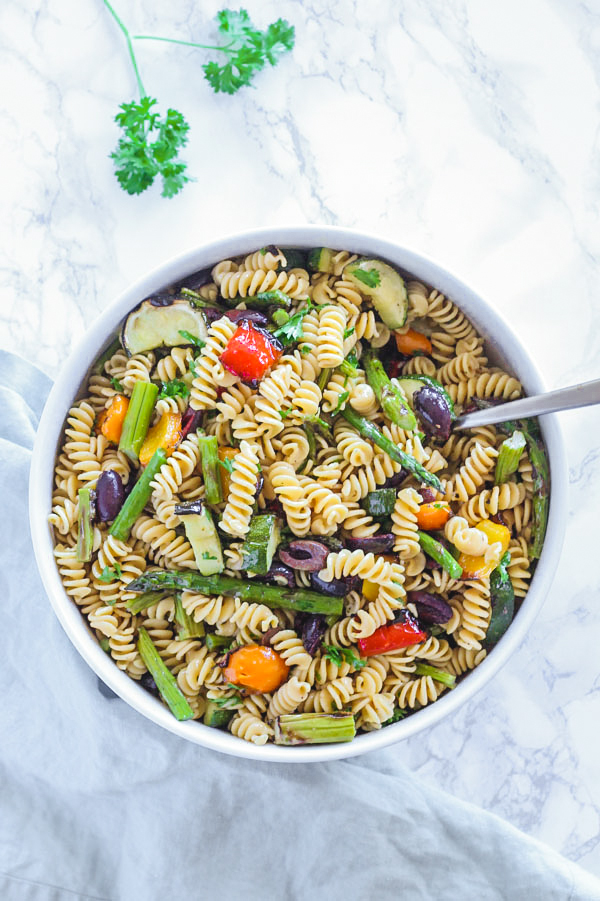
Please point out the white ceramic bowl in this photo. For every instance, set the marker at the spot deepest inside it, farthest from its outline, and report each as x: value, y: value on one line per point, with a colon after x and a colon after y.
x: 507, y: 351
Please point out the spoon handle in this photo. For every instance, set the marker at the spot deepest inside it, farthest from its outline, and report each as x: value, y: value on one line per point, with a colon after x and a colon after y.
x: 563, y: 399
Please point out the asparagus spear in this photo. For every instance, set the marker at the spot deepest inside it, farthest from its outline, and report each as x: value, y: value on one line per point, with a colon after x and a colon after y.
x: 85, y: 531
x: 137, y: 419
x: 314, y: 728
x: 112, y: 348
x: 299, y: 599
x: 541, y: 482
x: 197, y: 300
x: 439, y: 553
x: 263, y: 299
x: 389, y: 394
x: 423, y: 669
x: 370, y: 431
x: 324, y: 377
x: 164, y: 678
x: 209, y: 456
x: 217, y: 642
x: 189, y: 627
x: 138, y: 498
x: 143, y: 601
x: 509, y: 456
x: 279, y: 317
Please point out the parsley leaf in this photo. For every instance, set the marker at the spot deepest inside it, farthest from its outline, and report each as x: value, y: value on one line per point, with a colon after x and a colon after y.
x: 348, y: 332
x: 191, y: 339
x: 341, y: 401
x: 337, y: 655
x: 285, y: 413
x: 117, y: 385
x: 231, y: 701
x: 305, y: 349
x: 149, y: 147
x: 292, y: 330
x: 398, y: 714
x: 247, y: 49
x: 109, y: 575
x: 174, y: 388
x: 369, y: 277
x: 226, y: 464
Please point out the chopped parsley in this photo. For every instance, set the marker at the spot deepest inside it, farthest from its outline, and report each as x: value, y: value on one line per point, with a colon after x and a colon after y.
x: 348, y: 332
x: 226, y: 464
x: 109, y: 575
x: 398, y: 714
x: 207, y: 556
x: 338, y: 655
x: 292, y: 330
x: 305, y: 349
x: 117, y: 385
x: 369, y: 277
x: 342, y: 401
x: 174, y: 388
x: 231, y: 701
x: 285, y: 413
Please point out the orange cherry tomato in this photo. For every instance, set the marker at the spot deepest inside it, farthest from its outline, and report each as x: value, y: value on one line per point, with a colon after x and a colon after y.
x: 257, y: 668
x: 411, y: 342
x: 477, y: 567
x: 433, y: 515
x: 110, y: 420
x: 225, y: 453
x: 166, y: 434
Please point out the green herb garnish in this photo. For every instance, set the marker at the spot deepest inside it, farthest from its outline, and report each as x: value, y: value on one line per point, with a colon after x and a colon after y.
x: 226, y: 464
x: 338, y: 655
x: 348, y: 332
x: 292, y: 330
x: 369, y: 277
x: 231, y: 701
x: 207, y: 556
x: 109, y: 575
x: 341, y: 401
x: 398, y: 714
x: 116, y: 384
x: 174, y: 388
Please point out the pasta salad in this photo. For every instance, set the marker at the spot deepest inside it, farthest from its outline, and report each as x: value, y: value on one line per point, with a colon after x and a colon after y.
x: 263, y: 511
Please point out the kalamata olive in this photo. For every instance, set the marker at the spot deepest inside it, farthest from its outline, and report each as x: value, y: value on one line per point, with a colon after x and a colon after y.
x: 162, y: 299
x: 149, y: 684
x: 376, y: 544
x: 197, y: 279
x: 190, y: 421
x: 105, y: 691
x: 311, y: 628
x: 249, y: 315
x: 281, y: 574
x: 434, y: 414
x: 427, y: 495
x: 259, y: 484
x: 337, y: 587
x: 110, y: 495
x: 211, y: 314
x: 431, y: 608
x: 395, y: 480
x: 310, y: 556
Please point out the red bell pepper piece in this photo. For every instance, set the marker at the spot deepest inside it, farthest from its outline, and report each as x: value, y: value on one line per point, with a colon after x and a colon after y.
x: 391, y: 637
x: 250, y: 352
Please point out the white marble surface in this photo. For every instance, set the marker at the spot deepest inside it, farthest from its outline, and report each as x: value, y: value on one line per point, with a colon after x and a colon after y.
x: 467, y: 131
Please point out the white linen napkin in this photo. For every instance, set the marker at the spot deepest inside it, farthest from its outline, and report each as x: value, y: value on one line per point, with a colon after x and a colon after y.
x: 98, y: 803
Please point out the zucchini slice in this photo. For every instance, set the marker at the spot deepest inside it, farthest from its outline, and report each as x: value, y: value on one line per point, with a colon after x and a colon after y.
x: 410, y: 384
x: 379, y: 503
x: 261, y: 543
x: 384, y: 286
x: 320, y: 259
x: 217, y: 717
x: 149, y: 326
x: 202, y: 534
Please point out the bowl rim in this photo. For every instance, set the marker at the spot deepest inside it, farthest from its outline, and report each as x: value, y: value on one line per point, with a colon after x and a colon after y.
x: 96, y: 337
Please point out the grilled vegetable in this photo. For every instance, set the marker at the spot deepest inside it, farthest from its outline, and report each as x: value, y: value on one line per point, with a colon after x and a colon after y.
x: 85, y: 529
x: 164, y: 678
x: 424, y: 669
x: 111, y: 419
x: 110, y: 495
x: 187, y: 625
x: 299, y: 599
x: 314, y: 728
x: 137, y: 420
x: 384, y: 286
x: 478, y: 567
x: 392, y: 637
x: 389, y: 393
x: 201, y: 533
x: 411, y: 384
x: 217, y: 717
x: 209, y: 457
x: 370, y: 431
x: 379, y: 503
x: 320, y: 260
x: 306, y: 555
x: 503, y: 602
x: 511, y: 450
x: 433, y: 515
x: 166, y: 434
x: 138, y: 498
x: 256, y: 667
x: 412, y: 343
x: 250, y: 352
x: 438, y: 552
x: 150, y: 326
x: 261, y: 543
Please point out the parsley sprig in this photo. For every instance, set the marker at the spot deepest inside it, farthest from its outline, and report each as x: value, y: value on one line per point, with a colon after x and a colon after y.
x: 174, y: 388
x: 246, y: 51
x: 338, y: 655
x: 110, y: 575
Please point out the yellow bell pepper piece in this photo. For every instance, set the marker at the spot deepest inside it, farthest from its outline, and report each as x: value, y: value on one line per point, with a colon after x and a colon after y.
x: 166, y: 434
x: 479, y: 567
x: 370, y: 590
x: 226, y: 453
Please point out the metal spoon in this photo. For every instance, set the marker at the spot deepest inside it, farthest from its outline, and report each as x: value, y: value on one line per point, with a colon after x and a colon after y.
x: 563, y: 399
